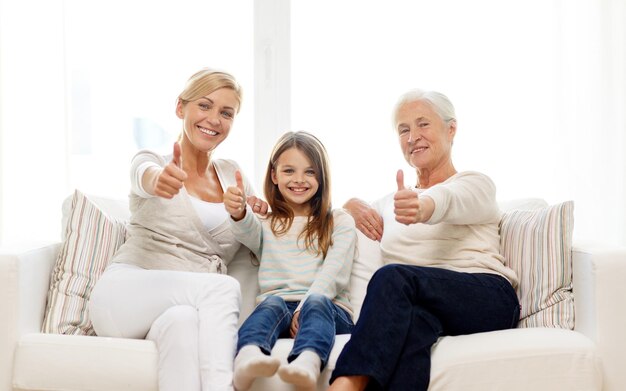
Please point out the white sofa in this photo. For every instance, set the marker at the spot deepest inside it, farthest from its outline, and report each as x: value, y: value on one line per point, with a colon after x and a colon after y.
x: 590, y: 357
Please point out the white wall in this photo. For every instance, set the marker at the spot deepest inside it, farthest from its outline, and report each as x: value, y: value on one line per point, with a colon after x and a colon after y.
x: 538, y: 87
x: 577, y: 80
x: 32, y: 120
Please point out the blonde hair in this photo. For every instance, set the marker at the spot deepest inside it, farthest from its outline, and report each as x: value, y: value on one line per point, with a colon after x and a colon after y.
x: 205, y: 82
x: 320, y: 225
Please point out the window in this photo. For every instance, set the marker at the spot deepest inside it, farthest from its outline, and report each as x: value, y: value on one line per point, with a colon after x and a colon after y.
x: 126, y: 64
x: 350, y: 67
x: 539, y: 88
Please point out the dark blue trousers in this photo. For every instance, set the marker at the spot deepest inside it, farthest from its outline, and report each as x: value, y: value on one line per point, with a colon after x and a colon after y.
x: 407, y: 308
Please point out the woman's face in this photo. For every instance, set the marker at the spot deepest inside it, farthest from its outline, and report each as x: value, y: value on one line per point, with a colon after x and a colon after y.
x: 207, y: 121
x: 425, y: 139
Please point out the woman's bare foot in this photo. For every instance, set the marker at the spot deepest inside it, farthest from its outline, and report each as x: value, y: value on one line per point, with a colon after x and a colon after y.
x: 349, y: 383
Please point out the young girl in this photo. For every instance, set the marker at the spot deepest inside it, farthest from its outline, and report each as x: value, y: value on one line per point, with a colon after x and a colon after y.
x: 306, y: 251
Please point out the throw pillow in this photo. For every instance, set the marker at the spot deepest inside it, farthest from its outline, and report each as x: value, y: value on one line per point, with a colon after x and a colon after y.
x: 91, y: 239
x: 537, y: 245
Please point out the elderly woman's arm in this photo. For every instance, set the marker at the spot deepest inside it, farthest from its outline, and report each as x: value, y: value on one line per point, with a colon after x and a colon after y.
x: 366, y: 218
x: 469, y: 199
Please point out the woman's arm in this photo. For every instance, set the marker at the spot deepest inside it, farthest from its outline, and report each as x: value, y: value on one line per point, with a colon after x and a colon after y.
x: 152, y: 176
x: 366, y: 218
x: 470, y: 198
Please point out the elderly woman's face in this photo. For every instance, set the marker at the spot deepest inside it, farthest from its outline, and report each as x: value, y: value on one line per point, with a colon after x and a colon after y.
x: 425, y: 138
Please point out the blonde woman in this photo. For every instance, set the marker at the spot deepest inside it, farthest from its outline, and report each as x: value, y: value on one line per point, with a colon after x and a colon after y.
x: 167, y: 283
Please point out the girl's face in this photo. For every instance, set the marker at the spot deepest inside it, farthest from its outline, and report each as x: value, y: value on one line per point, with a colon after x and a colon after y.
x: 207, y: 121
x: 296, y: 180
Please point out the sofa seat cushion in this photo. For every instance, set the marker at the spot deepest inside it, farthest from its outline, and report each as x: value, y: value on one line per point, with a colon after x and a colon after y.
x: 78, y: 363
x: 539, y: 359
x: 518, y: 359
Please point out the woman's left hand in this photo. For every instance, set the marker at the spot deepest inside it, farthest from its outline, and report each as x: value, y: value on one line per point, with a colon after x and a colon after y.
x: 295, y: 324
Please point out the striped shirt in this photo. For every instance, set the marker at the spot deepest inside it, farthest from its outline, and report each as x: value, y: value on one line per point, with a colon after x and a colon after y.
x: 287, y: 269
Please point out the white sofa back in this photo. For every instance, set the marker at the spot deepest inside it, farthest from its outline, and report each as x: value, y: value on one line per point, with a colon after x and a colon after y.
x: 368, y: 258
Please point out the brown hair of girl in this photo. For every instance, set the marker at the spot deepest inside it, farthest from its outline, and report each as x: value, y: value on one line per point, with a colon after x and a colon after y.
x: 320, y: 225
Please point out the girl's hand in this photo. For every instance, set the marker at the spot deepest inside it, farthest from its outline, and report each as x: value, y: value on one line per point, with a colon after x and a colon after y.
x: 171, y: 178
x: 295, y: 324
x: 366, y: 219
x: 235, y: 199
x: 258, y: 205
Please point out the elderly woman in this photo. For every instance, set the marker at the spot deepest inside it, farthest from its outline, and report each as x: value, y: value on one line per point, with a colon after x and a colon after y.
x: 440, y: 242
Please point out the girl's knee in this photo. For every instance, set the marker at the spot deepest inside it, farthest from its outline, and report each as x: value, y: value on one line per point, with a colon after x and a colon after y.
x: 274, y: 302
x: 317, y: 300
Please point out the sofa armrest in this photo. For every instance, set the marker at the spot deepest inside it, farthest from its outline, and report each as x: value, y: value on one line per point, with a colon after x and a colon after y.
x: 24, y: 281
x: 599, y: 277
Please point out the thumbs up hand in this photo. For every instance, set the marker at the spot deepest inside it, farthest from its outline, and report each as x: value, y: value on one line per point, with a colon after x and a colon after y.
x: 172, y: 177
x: 235, y: 199
x: 407, y: 205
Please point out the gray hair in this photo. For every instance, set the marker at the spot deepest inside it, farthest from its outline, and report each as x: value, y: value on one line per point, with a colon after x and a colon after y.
x: 439, y: 102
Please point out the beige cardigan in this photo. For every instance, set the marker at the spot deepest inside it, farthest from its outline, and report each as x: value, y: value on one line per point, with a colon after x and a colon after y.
x: 168, y: 234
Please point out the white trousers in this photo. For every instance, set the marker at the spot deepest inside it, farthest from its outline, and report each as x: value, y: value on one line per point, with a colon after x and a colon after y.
x: 192, y: 318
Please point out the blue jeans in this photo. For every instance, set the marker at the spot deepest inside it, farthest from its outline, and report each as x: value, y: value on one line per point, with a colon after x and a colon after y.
x: 407, y: 308
x: 320, y: 319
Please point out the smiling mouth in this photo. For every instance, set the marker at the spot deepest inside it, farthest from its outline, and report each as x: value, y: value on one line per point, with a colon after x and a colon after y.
x: 299, y: 190
x: 418, y: 150
x: 208, y: 132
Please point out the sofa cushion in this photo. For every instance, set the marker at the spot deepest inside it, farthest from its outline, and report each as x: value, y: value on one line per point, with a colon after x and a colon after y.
x: 516, y: 360
x: 91, y: 239
x: 78, y: 363
x: 368, y: 260
x: 537, y: 245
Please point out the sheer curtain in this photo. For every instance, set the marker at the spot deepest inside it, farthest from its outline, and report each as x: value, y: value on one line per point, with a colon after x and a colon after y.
x: 126, y: 66
x: 85, y: 84
x: 538, y: 87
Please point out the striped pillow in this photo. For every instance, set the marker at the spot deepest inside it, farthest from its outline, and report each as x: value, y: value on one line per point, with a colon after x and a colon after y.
x: 91, y: 239
x: 537, y: 245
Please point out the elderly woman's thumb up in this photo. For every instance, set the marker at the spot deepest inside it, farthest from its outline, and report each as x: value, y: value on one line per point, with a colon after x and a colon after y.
x: 171, y: 178
x: 409, y: 207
